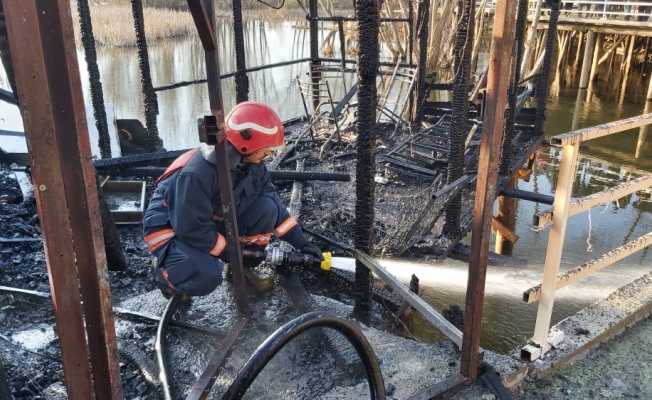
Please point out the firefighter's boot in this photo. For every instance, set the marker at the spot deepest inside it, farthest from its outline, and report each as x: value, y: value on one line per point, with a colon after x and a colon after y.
x: 261, y: 282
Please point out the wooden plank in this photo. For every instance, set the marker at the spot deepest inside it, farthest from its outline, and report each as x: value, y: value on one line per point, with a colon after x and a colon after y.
x: 503, y: 230
x: 555, y: 242
x: 415, y: 301
x: 609, y: 195
x: 606, y: 196
x: 534, y: 293
x: 601, y: 130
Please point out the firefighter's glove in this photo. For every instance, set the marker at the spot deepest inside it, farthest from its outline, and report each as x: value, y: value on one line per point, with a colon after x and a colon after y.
x: 311, y: 249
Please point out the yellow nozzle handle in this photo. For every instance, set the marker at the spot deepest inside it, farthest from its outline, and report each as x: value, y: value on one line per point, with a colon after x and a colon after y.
x: 326, y: 264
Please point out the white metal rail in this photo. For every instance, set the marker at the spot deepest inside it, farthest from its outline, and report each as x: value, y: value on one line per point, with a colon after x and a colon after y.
x: 595, y: 9
x: 562, y: 209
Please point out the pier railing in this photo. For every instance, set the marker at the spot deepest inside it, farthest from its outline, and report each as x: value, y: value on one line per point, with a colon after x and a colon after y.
x: 594, y: 10
x: 556, y: 218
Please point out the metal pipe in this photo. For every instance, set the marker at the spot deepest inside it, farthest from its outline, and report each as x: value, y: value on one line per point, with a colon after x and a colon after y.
x: 203, y: 14
x: 525, y: 195
x: 423, y: 19
x: 159, y: 347
x: 274, y: 343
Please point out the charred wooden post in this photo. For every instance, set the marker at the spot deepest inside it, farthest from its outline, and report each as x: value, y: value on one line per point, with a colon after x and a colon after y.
x: 500, y: 64
x: 367, y: 66
x: 241, y: 79
x: 423, y: 20
x: 5, y: 391
x: 97, y: 94
x: 150, y: 100
x: 586, y: 61
x: 510, y: 112
x: 460, y: 105
x: 546, y: 69
x: 203, y: 13
x: 51, y: 99
x: 315, y: 76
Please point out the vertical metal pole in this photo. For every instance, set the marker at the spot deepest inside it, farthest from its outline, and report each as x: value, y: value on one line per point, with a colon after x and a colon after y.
x: 555, y: 243
x: 586, y: 61
x: 368, y: 19
x: 410, y: 47
x: 53, y: 108
x: 423, y: 18
x: 203, y: 13
x: 241, y: 79
x: 498, y: 78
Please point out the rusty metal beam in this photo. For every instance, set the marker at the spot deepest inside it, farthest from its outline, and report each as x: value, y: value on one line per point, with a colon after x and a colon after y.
x: 204, y: 24
x: 442, y: 389
x: 534, y: 293
x: 498, y: 79
x: 47, y: 77
x: 217, y: 137
x: 204, y: 384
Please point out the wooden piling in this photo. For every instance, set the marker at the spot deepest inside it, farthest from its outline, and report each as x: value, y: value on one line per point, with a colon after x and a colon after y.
x: 642, y: 133
x: 579, y: 49
x: 596, y: 54
x: 507, y: 217
x: 586, y: 61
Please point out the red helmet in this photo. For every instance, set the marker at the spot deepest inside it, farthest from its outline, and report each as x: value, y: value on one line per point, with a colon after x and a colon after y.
x: 251, y: 126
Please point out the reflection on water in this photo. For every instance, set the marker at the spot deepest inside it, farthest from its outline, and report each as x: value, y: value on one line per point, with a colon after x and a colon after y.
x: 508, y: 321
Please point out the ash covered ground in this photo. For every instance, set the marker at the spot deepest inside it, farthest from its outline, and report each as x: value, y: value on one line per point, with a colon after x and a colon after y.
x: 34, y: 369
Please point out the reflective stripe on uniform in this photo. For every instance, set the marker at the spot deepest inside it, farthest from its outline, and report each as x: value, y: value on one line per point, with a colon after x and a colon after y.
x: 165, y: 276
x: 263, y: 238
x: 220, y: 244
x: 285, y: 226
x: 158, y: 238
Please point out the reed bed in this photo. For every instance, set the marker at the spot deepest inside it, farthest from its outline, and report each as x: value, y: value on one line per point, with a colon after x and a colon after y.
x: 113, y: 25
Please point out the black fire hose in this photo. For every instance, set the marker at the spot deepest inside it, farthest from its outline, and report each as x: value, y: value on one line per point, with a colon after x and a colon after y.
x: 274, y: 343
x: 159, y: 346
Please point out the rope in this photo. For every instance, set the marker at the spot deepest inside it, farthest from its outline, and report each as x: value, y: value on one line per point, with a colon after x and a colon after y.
x: 589, y: 248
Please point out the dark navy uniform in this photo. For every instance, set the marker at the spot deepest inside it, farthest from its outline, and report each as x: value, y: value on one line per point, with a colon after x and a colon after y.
x: 183, y: 228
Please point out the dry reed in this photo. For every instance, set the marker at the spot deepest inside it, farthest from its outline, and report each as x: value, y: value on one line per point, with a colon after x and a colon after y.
x: 113, y: 25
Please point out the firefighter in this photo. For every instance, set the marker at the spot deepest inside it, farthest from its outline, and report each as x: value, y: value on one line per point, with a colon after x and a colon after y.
x: 183, y: 225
